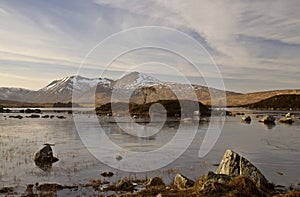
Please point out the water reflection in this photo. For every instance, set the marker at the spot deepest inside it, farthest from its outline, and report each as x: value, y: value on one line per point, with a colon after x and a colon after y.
x: 45, y: 166
x: 270, y: 125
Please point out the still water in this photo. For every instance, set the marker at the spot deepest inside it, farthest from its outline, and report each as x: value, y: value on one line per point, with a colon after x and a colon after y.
x: 275, y: 150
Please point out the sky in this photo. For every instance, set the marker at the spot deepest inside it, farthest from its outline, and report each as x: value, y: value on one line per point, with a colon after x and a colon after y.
x: 254, y: 44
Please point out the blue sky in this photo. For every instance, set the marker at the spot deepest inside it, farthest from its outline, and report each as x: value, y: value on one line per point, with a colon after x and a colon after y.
x: 255, y: 44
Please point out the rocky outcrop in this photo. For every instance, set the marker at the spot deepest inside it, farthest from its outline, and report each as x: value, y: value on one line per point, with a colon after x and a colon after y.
x: 182, y: 182
x: 233, y: 164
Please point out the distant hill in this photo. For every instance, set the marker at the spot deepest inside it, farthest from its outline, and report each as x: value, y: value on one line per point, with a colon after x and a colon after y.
x: 279, y: 102
x: 250, y: 98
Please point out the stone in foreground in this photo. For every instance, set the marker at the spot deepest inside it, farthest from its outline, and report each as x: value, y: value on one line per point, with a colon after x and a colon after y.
x: 156, y: 181
x: 233, y: 164
x: 182, y: 182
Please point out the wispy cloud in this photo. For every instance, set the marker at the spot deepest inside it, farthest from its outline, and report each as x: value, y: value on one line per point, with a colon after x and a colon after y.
x: 250, y: 40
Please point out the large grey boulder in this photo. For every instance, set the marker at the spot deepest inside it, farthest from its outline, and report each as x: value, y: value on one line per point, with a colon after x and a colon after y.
x: 233, y: 164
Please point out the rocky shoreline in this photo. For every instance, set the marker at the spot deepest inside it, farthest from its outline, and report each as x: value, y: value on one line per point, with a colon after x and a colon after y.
x: 235, y: 176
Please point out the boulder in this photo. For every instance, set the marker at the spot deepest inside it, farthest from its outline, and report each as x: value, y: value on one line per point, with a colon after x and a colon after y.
x: 287, y: 120
x: 246, y: 119
x: 225, y: 185
x: 107, y: 174
x: 125, y: 185
x: 182, y: 182
x: 156, y: 181
x: 267, y: 119
x: 45, y: 155
x: 233, y: 164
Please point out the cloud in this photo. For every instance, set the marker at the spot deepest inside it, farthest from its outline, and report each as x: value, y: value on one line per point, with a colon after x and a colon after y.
x: 262, y: 37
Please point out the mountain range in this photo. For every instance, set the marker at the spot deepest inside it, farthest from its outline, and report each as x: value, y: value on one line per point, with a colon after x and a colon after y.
x: 145, y: 89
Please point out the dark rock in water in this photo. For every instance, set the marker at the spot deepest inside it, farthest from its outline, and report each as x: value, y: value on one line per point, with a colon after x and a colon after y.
x: 30, y: 111
x: 18, y: 116
x: 52, y: 116
x: 182, y: 182
x: 267, y: 119
x: 107, y: 174
x: 46, y: 116
x: 44, y: 158
x: 61, y: 117
x: 156, y: 181
x: 5, y: 190
x: 287, y: 120
x: 233, y: 164
x: 246, y: 119
x: 33, y: 116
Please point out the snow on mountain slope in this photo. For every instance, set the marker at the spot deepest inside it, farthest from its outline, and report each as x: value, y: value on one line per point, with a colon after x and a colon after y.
x: 61, y: 90
x: 79, y: 83
x: 135, y: 80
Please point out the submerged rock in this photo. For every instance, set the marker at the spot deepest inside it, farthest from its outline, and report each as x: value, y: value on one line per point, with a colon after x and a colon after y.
x: 233, y: 164
x: 182, y: 182
x: 107, y: 174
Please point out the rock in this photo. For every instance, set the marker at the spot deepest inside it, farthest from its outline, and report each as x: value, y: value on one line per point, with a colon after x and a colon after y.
x: 182, y: 182
x: 156, y: 181
x: 107, y: 174
x: 33, y: 116
x: 233, y: 164
x: 4, y: 190
x: 224, y: 185
x: 287, y: 120
x: 30, y: 111
x: 125, y: 185
x: 18, y: 116
x: 61, y: 117
x: 46, y: 116
x: 119, y: 157
x: 246, y: 119
x: 44, y: 157
x: 267, y: 119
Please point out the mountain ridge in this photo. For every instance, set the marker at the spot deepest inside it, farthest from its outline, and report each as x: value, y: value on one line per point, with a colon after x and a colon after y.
x: 145, y: 89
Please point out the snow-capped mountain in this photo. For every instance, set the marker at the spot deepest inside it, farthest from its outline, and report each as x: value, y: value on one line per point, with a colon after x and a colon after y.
x: 135, y: 80
x: 145, y: 89
x: 61, y: 90
x: 14, y: 94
